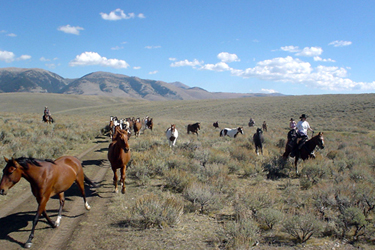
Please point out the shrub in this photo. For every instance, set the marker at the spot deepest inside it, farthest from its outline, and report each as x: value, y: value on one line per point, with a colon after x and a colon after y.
x: 302, y: 226
x: 177, y: 179
x: 268, y: 217
x: 239, y: 235
x: 204, y: 196
x: 152, y: 210
x: 351, y: 221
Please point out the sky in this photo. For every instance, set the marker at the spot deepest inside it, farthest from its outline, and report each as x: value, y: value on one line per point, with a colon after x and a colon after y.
x: 292, y: 47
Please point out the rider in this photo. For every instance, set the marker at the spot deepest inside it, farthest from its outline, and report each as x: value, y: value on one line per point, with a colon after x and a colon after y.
x: 292, y: 124
x: 302, y: 127
x: 46, y: 111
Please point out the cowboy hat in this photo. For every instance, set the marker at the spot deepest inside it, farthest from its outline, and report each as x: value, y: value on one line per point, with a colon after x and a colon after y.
x: 303, y: 116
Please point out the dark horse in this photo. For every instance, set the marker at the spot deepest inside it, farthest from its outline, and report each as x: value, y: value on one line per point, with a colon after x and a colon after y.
x: 193, y: 128
x: 306, y: 150
x: 119, y: 156
x: 258, y: 141
x: 47, y: 178
x: 149, y: 124
x: 48, y: 119
x: 216, y: 124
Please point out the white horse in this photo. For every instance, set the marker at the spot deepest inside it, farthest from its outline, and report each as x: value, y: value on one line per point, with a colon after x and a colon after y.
x: 172, y: 135
x: 231, y: 132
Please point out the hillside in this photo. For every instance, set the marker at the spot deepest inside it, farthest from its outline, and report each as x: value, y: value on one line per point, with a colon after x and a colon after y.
x: 105, y: 84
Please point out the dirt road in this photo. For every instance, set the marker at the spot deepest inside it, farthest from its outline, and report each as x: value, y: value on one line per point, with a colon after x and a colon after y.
x: 18, y: 209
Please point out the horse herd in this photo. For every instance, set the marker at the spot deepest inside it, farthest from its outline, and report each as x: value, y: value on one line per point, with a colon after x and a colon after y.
x: 48, y: 178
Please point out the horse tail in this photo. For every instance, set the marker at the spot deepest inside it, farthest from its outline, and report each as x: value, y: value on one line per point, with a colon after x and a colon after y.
x: 90, y: 182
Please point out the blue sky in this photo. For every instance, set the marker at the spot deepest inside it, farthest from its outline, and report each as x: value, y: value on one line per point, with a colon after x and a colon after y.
x: 293, y: 47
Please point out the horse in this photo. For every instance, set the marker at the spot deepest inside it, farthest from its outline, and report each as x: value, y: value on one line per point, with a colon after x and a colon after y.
x: 193, y: 128
x: 251, y: 122
x: 172, y: 135
x: 306, y: 150
x: 216, y: 124
x: 48, y: 119
x: 149, y: 124
x: 137, y: 127
x: 47, y: 178
x: 258, y: 141
x: 111, y: 126
x: 264, y: 126
x: 119, y: 156
x: 231, y: 132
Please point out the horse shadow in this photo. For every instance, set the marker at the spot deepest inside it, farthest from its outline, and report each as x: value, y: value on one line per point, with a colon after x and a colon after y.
x: 92, y: 162
x: 102, y: 150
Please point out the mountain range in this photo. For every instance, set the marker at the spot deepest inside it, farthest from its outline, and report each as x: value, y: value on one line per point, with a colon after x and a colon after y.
x: 106, y: 84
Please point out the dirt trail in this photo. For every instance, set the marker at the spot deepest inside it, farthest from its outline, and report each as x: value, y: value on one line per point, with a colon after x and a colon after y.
x: 18, y: 210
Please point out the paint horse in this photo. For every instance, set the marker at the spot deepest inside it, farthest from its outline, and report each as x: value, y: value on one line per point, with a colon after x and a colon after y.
x: 47, y: 178
x: 172, y: 135
x: 231, y: 132
x: 119, y: 156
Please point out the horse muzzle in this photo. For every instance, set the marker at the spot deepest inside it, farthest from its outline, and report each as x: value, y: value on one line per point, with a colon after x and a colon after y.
x: 3, y: 192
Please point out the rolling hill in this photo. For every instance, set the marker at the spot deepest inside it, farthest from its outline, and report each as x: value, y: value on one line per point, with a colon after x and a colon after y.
x: 105, y: 84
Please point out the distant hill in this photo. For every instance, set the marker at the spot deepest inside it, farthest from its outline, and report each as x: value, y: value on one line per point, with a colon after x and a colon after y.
x: 105, y: 84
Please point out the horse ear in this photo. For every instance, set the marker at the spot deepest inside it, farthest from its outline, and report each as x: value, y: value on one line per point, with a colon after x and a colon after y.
x: 6, y: 159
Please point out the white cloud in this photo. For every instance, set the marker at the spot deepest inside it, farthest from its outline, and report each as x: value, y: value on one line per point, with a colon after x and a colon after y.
x: 290, y: 48
x: 340, y: 43
x: 153, y: 47
x: 43, y: 59
x: 319, y: 59
x: 117, y: 48
x: 136, y: 67
x: 119, y: 14
x: 227, y: 58
x: 93, y: 58
x: 219, y: 67
x: 24, y: 57
x: 312, y: 51
x: 70, y: 29
x: 172, y: 59
x: 187, y: 63
x: 7, y: 56
x: 11, y: 35
x: 270, y: 91
x: 153, y: 72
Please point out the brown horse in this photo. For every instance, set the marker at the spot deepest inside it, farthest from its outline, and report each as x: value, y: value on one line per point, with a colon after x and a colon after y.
x: 306, y: 151
x: 47, y: 178
x: 119, y: 156
x: 137, y: 127
x: 193, y: 128
x: 264, y: 126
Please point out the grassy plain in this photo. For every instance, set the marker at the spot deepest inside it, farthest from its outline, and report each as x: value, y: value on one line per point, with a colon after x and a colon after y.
x: 222, y: 178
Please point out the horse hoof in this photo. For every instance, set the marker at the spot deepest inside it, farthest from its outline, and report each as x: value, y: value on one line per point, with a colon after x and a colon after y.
x: 123, y: 191
x: 28, y: 245
x: 116, y: 191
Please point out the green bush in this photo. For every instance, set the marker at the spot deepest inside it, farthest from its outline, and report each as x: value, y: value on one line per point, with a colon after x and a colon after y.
x: 268, y: 217
x: 302, y: 226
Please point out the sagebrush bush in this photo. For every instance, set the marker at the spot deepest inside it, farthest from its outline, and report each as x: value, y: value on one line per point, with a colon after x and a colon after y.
x: 239, y: 235
x: 153, y: 210
x: 268, y: 217
x: 177, y: 179
x: 204, y: 196
x: 302, y: 226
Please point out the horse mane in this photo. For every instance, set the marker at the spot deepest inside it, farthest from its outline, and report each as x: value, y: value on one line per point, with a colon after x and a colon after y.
x: 24, y: 161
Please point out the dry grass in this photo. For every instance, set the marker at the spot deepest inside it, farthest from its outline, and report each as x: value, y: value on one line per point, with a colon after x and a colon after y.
x: 228, y: 170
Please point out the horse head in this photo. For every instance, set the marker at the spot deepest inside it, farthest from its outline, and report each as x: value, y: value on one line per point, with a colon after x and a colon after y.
x: 173, y: 128
x: 12, y: 173
x: 320, y: 140
x: 122, y: 140
x: 240, y: 130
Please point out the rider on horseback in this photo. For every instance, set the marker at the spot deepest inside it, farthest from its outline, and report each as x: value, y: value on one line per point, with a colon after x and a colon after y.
x: 46, y: 111
x: 302, y: 127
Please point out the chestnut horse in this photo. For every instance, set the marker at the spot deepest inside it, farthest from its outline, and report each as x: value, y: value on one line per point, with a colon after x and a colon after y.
x: 119, y: 156
x: 137, y: 127
x: 306, y: 151
x: 47, y: 178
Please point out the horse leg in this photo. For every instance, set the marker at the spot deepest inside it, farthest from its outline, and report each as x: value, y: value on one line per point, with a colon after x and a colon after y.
x: 81, y: 185
x: 295, y: 164
x: 62, y: 203
x: 115, y: 179
x: 41, y: 209
x: 122, y: 180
